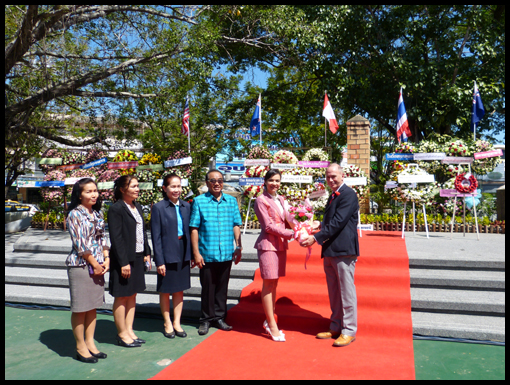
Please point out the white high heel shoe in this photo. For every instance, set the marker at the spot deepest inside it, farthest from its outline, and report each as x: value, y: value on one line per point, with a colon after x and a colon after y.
x: 280, y: 338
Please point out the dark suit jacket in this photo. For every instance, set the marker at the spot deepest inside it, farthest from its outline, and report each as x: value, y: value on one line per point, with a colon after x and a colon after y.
x: 164, y: 231
x: 122, y: 228
x: 339, y: 236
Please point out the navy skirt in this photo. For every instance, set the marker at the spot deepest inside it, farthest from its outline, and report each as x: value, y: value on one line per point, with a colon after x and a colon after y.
x: 177, y: 276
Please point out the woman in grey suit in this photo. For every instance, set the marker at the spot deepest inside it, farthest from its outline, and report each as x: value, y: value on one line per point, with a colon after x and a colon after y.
x: 172, y: 252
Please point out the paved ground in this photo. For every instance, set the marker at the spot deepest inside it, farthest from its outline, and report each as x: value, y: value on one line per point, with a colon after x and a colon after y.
x: 39, y: 345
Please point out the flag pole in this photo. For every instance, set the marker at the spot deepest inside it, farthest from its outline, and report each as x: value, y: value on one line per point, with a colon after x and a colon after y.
x: 260, y: 112
x: 325, y: 119
x: 189, y: 131
x: 474, y: 124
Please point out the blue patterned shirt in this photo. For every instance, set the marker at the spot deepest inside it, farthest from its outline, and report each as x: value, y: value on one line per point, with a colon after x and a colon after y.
x: 87, y: 236
x: 215, y: 222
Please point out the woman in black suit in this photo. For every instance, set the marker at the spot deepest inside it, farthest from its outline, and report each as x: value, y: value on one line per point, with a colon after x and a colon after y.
x: 172, y: 252
x: 129, y: 250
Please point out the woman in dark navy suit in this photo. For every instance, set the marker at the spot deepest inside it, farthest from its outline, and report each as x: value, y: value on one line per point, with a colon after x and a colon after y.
x: 172, y: 252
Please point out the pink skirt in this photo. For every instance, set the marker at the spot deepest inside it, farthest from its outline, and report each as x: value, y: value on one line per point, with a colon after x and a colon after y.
x: 272, y: 263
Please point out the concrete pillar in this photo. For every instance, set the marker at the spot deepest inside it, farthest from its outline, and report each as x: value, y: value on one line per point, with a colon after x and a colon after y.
x: 500, y: 203
x: 358, y: 150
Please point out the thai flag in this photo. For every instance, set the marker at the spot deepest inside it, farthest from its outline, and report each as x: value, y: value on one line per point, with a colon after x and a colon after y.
x: 478, y: 110
x: 255, y: 120
x: 185, y: 119
x: 403, y: 131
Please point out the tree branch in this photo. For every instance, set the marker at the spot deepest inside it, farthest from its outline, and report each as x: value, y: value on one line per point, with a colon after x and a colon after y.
x: 103, y: 94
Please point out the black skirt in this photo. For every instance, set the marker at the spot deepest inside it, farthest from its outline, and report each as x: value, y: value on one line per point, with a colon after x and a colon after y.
x: 126, y: 287
x: 177, y: 276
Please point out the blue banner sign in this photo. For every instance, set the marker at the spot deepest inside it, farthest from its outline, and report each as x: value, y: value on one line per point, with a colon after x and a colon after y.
x: 235, y: 168
x: 95, y: 163
x: 50, y: 183
x: 251, y: 181
x: 399, y: 156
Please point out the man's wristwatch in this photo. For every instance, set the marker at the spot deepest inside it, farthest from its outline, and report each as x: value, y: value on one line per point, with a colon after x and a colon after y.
x: 239, y: 248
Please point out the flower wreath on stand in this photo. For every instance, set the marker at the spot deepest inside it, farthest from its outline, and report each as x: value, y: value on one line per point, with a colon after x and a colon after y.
x: 50, y: 153
x: 486, y: 165
x: 431, y: 166
x: 447, y: 204
x: 107, y: 176
x: 72, y: 158
x: 405, y: 148
x: 254, y: 172
x: 466, y: 183
x: 316, y: 154
x: 293, y: 192
x: 126, y: 156
x: 284, y: 156
x: 405, y: 192
x: 151, y: 159
x: 260, y: 152
x: 352, y: 171
x: 53, y: 194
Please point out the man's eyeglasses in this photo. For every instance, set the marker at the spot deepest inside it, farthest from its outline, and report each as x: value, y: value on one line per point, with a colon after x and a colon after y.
x: 214, y: 181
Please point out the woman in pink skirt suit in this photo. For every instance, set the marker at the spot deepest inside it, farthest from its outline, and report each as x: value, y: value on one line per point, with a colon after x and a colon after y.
x: 271, y: 247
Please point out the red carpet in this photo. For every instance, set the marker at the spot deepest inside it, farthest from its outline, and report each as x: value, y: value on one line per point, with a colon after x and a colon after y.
x: 383, y: 348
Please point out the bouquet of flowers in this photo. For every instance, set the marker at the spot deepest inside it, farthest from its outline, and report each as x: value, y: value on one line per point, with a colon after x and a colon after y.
x: 300, y: 218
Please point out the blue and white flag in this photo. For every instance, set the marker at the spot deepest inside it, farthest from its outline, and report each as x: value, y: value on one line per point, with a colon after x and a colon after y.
x: 403, y: 131
x: 478, y: 110
x: 256, y: 119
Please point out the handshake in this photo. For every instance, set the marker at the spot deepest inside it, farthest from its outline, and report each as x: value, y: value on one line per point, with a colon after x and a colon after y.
x: 309, y: 240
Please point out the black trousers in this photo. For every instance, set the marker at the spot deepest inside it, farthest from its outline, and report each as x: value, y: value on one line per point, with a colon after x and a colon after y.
x: 214, y: 277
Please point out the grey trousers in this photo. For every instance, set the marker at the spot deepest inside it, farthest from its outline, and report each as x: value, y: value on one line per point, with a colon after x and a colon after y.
x: 342, y: 294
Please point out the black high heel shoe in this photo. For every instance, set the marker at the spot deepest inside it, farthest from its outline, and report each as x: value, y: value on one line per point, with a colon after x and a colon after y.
x: 121, y: 342
x: 88, y: 360
x: 98, y: 355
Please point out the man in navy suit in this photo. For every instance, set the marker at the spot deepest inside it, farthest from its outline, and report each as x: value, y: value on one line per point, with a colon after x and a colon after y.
x: 338, y: 237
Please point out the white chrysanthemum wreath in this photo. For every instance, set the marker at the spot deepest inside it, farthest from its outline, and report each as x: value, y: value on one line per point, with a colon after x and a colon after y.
x: 316, y: 154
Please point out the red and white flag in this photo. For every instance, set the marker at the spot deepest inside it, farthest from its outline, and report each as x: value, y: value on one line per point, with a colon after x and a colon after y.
x: 328, y: 113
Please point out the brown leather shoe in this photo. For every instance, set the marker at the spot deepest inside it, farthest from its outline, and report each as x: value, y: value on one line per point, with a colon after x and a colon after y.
x: 328, y: 334
x: 344, y: 340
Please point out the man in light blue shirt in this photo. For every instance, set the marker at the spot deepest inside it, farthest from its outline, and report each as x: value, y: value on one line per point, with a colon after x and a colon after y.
x: 215, y: 225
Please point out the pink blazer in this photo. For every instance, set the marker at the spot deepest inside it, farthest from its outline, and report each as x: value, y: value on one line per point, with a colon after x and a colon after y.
x: 274, y: 235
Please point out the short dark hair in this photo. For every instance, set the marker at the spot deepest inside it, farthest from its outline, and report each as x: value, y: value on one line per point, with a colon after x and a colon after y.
x: 167, y: 179
x: 121, y: 182
x: 210, y: 171
x: 76, y: 195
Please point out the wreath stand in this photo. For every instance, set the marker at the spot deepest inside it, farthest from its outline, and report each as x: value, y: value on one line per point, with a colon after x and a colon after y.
x: 247, y: 214
x: 414, y: 214
x: 414, y: 219
x: 464, y: 209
